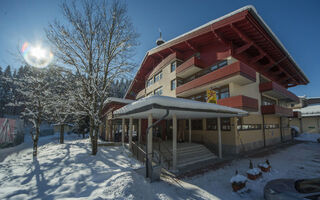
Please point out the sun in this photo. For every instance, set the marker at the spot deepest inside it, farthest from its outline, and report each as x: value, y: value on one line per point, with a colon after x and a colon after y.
x: 36, y: 55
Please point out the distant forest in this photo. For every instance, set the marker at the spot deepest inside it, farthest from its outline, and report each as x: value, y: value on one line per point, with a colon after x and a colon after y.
x: 10, y: 98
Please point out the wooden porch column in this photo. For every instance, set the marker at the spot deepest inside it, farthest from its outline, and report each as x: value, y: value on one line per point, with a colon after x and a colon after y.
x: 107, y: 130
x: 139, y: 132
x: 219, y: 137
x: 130, y: 132
x: 149, y: 139
x: 174, y: 142
x: 123, y: 130
x: 189, y: 130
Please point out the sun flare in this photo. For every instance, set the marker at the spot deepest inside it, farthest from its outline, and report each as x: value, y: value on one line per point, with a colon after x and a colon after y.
x: 36, y: 55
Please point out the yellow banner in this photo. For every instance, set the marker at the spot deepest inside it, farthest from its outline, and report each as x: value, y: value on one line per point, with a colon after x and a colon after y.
x: 211, y: 96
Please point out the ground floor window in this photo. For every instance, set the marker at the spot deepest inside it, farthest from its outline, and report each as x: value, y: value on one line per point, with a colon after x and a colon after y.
x: 225, y: 124
x: 196, y: 124
x: 248, y: 127
x: 212, y: 124
x: 271, y: 126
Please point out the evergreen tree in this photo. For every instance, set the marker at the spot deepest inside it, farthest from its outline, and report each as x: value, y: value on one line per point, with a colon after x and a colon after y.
x: 14, y: 73
x: 7, y: 72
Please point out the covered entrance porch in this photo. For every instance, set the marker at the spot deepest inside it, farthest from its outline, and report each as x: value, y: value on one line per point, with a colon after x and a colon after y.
x: 168, y: 108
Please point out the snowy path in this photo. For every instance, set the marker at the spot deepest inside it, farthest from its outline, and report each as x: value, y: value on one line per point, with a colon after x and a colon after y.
x: 69, y: 171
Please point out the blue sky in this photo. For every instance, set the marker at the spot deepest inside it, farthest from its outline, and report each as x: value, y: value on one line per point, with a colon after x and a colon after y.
x: 296, y: 23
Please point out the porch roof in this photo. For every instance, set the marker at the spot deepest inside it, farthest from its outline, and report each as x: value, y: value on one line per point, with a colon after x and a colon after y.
x: 182, y: 108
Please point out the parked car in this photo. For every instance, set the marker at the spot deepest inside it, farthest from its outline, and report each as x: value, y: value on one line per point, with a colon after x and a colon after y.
x: 290, y: 189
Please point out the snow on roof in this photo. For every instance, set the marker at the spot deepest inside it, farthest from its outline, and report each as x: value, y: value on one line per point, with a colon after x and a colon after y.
x: 118, y: 100
x: 311, y: 110
x: 182, y: 108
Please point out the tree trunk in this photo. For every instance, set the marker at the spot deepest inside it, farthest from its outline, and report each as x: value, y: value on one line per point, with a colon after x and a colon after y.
x: 35, y: 141
x: 95, y: 142
x: 61, y: 133
x: 91, y: 130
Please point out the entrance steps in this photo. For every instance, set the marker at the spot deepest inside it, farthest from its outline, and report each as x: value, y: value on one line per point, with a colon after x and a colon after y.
x: 192, y: 153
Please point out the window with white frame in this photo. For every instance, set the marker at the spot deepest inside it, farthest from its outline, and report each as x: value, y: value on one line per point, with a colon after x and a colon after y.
x: 158, y: 77
x: 158, y: 91
x: 173, y: 66
x: 149, y: 82
x: 173, y: 84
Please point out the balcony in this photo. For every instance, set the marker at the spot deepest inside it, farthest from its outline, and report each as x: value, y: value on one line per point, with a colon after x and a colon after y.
x: 189, y: 67
x: 237, y: 72
x: 277, y: 91
x: 240, y: 102
x: 276, y: 110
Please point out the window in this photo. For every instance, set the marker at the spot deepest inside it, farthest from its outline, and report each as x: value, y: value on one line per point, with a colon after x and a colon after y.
x: 267, y: 101
x: 173, y: 66
x: 271, y: 126
x: 158, y: 77
x: 225, y: 124
x: 158, y: 91
x: 179, y: 82
x: 212, y: 124
x: 173, y: 84
x: 223, y: 92
x: 248, y: 127
x: 196, y: 124
x: 199, y: 97
x: 149, y: 82
x: 219, y: 65
x: 223, y: 63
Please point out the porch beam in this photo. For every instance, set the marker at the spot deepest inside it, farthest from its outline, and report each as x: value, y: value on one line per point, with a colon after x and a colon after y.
x: 174, y: 142
x: 219, y: 137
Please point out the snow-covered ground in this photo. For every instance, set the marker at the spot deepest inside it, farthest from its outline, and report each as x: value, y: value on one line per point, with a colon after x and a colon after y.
x: 69, y: 171
x: 308, y: 137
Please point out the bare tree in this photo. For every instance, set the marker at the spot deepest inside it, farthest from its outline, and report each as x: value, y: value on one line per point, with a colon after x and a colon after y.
x: 35, y: 89
x: 60, y: 104
x: 98, y: 43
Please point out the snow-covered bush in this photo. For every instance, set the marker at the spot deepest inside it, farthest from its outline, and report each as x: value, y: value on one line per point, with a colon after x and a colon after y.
x: 238, y: 182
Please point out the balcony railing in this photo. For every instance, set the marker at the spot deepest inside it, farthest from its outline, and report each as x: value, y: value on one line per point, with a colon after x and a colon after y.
x: 241, y: 102
x: 189, y: 67
x: 276, y: 110
x: 277, y: 91
x: 246, y: 75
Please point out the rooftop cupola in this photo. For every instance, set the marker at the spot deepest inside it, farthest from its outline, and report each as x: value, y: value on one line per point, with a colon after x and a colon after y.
x: 160, y: 41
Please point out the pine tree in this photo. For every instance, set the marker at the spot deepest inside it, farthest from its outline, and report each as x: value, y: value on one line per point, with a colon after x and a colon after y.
x: 7, y: 72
